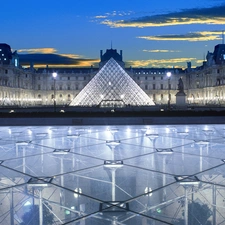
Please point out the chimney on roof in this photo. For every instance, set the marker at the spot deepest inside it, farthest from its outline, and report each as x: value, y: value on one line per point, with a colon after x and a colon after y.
x: 101, y: 55
x: 121, y: 54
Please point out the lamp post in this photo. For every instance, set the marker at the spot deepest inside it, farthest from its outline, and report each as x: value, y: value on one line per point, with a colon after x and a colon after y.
x: 54, y: 75
x: 168, y: 74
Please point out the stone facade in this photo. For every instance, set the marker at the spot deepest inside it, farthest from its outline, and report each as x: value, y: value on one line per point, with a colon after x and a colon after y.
x: 35, y: 87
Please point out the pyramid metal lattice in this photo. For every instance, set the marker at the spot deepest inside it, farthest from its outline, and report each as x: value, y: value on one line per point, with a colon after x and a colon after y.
x: 112, y: 86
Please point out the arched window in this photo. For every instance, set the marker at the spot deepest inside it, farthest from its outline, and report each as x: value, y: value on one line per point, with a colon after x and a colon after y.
x: 68, y: 97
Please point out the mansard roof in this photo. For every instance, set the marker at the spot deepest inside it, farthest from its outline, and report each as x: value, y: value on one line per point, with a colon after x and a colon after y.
x: 111, y: 53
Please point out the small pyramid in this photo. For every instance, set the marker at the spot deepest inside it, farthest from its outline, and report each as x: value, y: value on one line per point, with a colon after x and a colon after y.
x: 112, y: 86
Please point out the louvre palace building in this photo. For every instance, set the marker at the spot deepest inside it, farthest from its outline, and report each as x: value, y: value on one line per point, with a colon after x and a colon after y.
x: 201, y: 86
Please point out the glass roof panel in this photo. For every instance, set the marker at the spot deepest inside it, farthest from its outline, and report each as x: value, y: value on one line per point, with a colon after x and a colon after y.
x: 113, y: 174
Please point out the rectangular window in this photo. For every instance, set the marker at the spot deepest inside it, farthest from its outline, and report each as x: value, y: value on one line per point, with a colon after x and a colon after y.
x: 68, y: 78
x: 39, y: 87
x: 169, y: 86
x: 146, y: 87
x: 153, y: 78
x: 68, y: 87
x: 146, y: 78
x: 161, y: 86
x: 153, y: 97
x: 161, y: 78
x: 161, y: 96
x: 6, y: 71
x: 153, y: 86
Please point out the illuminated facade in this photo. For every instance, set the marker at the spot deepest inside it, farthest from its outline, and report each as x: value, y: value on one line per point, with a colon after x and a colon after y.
x: 35, y: 87
x: 206, y: 83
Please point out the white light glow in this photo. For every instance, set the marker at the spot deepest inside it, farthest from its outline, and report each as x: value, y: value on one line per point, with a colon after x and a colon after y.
x: 29, y: 132
x: 27, y: 203
x: 128, y: 130
x: 149, y: 191
x: 79, y: 190
x: 54, y: 74
x: 168, y: 74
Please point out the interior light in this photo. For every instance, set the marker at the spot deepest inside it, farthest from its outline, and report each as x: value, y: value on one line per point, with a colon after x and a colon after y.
x: 27, y: 203
x: 128, y: 130
x: 79, y: 190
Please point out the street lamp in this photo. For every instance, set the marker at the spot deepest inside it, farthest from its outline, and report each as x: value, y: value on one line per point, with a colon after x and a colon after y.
x: 168, y: 74
x: 54, y: 77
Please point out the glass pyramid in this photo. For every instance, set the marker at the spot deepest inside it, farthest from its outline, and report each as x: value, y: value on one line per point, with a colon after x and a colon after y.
x: 112, y: 86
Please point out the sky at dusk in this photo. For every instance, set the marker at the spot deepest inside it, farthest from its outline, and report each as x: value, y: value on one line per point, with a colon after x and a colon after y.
x: 151, y: 33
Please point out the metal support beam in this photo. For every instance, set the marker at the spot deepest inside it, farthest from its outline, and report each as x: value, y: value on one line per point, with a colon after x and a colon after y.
x: 214, y: 203
x: 40, y: 208
x: 11, y: 207
x: 186, y: 207
x: 113, y: 185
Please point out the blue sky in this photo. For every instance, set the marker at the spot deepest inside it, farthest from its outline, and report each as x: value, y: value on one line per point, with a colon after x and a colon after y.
x: 151, y: 33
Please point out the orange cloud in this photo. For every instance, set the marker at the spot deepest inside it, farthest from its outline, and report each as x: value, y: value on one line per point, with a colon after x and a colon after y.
x: 191, y: 37
x: 38, y: 50
x: 213, y: 15
x: 171, y: 22
x: 73, y: 56
x: 78, y: 64
x: 160, y: 62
